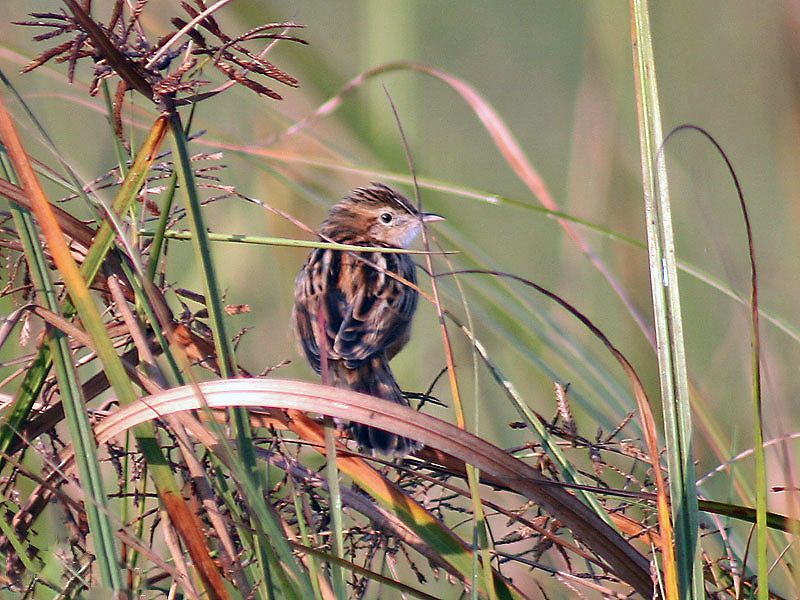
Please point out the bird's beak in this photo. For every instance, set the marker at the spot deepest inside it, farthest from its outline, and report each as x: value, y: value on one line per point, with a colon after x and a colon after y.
x: 431, y: 217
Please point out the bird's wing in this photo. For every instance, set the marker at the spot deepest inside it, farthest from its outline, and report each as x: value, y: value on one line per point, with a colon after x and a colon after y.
x: 365, y: 311
x: 371, y: 311
x: 318, y: 299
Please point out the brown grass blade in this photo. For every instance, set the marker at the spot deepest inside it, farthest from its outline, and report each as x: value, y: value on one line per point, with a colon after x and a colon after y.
x: 621, y: 557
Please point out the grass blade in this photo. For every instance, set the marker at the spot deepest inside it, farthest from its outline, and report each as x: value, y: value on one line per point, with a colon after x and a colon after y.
x: 688, y: 581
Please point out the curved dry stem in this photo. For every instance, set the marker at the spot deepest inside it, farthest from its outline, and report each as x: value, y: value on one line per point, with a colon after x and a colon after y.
x: 621, y: 557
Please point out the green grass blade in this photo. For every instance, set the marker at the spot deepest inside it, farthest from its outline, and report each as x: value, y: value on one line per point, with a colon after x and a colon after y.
x: 201, y: 246
x: 166, y: 211
x: 335, y: 508
x: 669, y: 329
x: 273, y: 241
x: 306, y: 536
x: 126, y: 196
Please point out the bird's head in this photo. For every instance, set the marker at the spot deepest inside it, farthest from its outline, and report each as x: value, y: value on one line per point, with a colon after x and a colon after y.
x: 379, y: 214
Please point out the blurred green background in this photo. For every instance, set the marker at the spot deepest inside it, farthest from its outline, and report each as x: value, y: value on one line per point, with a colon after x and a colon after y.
x: 560, y: 75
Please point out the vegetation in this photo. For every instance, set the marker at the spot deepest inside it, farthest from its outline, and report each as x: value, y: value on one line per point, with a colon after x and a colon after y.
x: 164, y: 168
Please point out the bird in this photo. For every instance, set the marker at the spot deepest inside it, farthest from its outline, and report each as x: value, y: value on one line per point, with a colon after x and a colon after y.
x: 366, y: 314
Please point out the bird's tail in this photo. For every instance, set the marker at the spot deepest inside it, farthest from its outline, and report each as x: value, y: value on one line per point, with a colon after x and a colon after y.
x: 375, y: 378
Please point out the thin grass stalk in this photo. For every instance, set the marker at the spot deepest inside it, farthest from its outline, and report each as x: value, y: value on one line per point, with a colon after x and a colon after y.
x: 755, y: 344
x: 480, y: 538
x: 669, y: 329
x: 306, y: 536
x: 266, y: 565
x: 335, y: 509
x: 261, y: 240
x: 392, y: 498
x: 159, y: 235
x: 276, y: 561
x: 126, y: 196
x: 24, y: 398
x: 258, y: 527
x: 525, y: 325
x: 758, y: 424
x: 569, y: 472
x: 357, y: 501
x: 259, y: 570
x: 147, y: 310
x: 20, y: 548
x: 761, y: 468
x: 76, y: 188
x: 332, y: 470
x: 132, y: 555
x: 36, y: 373
x: 119, y: 148
x: 87, y: 458
x: 166, y: 211
x: 480, y: 531
x: 395, y: 584
x: 240, y: 424
x: 529, y: 417
x: 263, y: 533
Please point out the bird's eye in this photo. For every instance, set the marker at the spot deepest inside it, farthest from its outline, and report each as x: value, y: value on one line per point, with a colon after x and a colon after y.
x: 386, y: 217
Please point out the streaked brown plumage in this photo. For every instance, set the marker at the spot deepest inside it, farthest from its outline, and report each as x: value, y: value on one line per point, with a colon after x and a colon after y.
x: 367, y: 313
